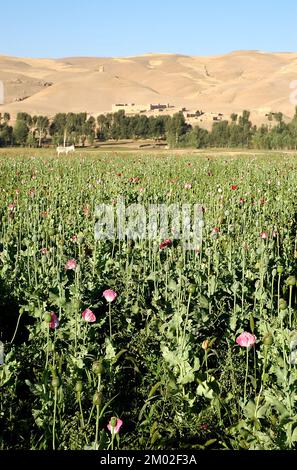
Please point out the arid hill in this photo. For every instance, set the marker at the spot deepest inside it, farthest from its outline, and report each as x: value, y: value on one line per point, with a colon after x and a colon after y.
x: 257, y: 81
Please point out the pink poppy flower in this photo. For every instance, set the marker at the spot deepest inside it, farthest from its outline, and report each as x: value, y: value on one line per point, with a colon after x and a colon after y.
x: 11, y: 207
x: 74, y: 238
x: 165, y: 244
x: 188, y: 186
x: 264, y: 235
x: 88, y: 316
x: 110, y: 295
x: 114, y: 425
x: 44, y: 251
x: 134, y: 180
x: 71, y: 264
x: 54, y: 323
x: 86, y: 211
x: 245, y: 340
x: 215, y: 232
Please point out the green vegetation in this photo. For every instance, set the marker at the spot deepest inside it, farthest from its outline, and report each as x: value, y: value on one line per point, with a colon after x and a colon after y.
x: 162, y: 356
x: 80, y: 130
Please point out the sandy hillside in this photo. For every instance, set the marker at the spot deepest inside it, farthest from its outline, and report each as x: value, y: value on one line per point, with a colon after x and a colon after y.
x: 241, y: 80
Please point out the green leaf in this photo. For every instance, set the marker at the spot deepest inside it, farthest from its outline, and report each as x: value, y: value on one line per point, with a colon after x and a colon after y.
x: 294, y: 435
x: 110, y: 353
x: 154, y: 389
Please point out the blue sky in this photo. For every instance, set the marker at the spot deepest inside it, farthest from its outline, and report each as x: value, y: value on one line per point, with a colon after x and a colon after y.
x: 61, y: 28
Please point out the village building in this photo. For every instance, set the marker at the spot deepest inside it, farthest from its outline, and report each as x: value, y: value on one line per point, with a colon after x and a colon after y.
x: 132, y: 108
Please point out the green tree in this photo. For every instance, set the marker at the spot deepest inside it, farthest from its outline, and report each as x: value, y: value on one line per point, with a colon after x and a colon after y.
x: 20, y: 132
x: 41, y: 124
x: 176, y: 129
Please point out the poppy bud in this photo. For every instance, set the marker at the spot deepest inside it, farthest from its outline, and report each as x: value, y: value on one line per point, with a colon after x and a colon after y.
x: 205, y: 344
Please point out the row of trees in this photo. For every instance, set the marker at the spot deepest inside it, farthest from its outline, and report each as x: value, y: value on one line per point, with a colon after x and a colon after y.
x: 240, y: 132
x: 80, y: 129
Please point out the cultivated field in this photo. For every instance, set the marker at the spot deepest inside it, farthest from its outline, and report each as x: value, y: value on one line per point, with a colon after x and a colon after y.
x: 145, y: 343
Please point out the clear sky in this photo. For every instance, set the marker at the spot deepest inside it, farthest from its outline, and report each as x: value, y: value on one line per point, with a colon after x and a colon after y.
x: 61, y: 28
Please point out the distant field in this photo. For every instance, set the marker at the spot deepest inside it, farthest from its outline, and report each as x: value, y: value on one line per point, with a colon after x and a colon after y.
x: 134, y: 148
x: 167, y: 355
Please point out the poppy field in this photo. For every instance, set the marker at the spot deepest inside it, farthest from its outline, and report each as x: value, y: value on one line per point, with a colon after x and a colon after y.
x: 140, y: 343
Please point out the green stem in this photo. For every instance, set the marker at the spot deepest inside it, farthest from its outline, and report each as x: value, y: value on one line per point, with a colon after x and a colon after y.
x: 246, y: 374
x: 98, y: 412
x: 97, y: 426
x: 81, y: 411
x: 91, y: 414
x: 47, y: 345
x: 16, y: 328
x: 54, y: 419
x: 186, y: 319
x: 262, y: 381
x: 206, y: 363
x: 109, y: 314
x: 290, y: 306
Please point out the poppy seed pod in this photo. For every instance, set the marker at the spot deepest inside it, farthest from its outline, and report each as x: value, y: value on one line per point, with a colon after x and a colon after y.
x: 191, y: 289
x: 97, y: 398
x: 47, y: 317
x: 55, y: 382
x: 291, y: 281
x: 113, y: 421
x: 114, y: 425
x: 78, y: 386
x: 268, y: 340
x: 97, y: 367
x: 280, y: 269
